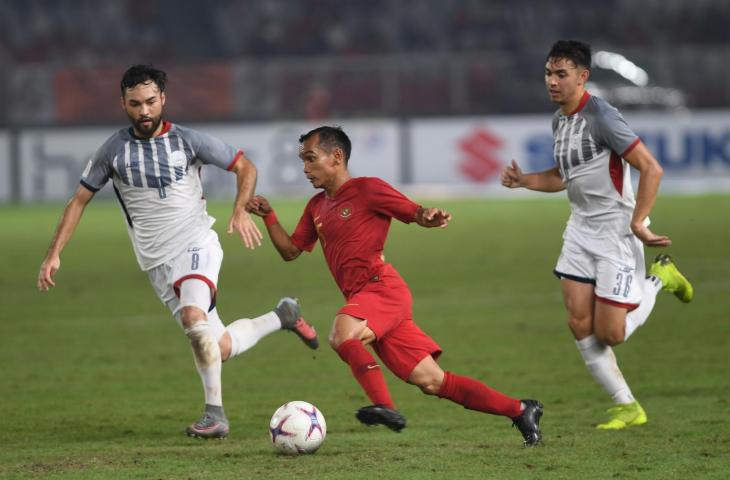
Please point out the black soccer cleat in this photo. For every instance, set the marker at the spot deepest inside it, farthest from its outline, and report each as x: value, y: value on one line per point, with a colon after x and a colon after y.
x: 528, y: 422
x: 381, y: 415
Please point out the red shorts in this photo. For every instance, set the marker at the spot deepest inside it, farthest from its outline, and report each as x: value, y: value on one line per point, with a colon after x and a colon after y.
x: 386, y: 304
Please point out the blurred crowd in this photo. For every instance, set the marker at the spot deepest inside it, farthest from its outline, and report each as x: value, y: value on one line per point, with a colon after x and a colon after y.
x: 184, y: 30
x: 359, y: 57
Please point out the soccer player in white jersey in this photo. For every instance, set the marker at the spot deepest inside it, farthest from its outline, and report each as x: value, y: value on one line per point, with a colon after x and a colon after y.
x: 601, y: 266
x: 155, y: 171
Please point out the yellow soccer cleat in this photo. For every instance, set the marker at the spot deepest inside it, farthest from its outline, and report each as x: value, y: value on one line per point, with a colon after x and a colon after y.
x: 673, y: 281
x: 623, y: 416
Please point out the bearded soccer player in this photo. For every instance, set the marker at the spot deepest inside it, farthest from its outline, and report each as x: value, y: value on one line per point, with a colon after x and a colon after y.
x: 155, y: 170
x: 601, y: 266
x: 351, y: 218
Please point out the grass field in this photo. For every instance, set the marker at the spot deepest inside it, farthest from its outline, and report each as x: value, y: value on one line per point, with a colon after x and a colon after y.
x: 98, y: 380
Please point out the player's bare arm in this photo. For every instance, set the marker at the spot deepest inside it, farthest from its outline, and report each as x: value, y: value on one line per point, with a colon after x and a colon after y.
x: 546, y: 181
x: 66, y: 227
x: 241, y: 222
x: 261, y: 207
x: 650, y: 174
x: 432, y: 217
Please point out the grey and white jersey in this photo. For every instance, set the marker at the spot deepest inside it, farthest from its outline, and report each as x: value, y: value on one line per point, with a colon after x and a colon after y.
x: 589, y: 147
x: 157, y: 183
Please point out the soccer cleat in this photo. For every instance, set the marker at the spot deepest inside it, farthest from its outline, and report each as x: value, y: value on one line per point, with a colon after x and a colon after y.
x: 673, y: 281
x: 623, y: 416
x: 528, y: 423
x: 381, y: 415
x: 291, y: 319
x: 209, y: 426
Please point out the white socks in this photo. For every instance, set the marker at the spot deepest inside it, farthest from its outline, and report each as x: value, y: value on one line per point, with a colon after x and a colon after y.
x: 638, y: 316
x: 601, y: 362
x: 204, y: 337
x: 207, y: 356
x: 246, y: 332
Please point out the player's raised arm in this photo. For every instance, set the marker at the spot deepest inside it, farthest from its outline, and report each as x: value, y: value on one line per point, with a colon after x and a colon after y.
x: 432, y: 217
x: 241, y: 221
x: 546, y: 181
x: 66, y: 227
x: 260, y: 206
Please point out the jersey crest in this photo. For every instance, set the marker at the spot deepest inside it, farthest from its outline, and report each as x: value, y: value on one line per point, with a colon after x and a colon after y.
x: 345, y: 210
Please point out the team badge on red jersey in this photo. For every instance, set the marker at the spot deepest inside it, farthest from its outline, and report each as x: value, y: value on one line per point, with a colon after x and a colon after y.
x: 345, y: 211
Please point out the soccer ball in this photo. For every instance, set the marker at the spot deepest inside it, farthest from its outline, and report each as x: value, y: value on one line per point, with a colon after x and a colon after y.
x: 297, y: 427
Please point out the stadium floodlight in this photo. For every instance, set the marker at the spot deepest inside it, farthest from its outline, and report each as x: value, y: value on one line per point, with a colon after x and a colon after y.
x: 621, y: 65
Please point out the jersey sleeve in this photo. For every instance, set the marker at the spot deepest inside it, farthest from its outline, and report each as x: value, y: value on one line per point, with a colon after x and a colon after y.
x: 610, y: 129
x: 305, y: 234
x: 211, y: 150
x: 386, y: 200
x: 99, y: 169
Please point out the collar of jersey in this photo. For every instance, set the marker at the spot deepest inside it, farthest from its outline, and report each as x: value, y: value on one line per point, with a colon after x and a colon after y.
x: 166, y: 126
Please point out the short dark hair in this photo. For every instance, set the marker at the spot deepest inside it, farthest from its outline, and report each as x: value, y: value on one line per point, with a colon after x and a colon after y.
x: 137, y: 74
x: 573, y: 50
x: 330, y: 138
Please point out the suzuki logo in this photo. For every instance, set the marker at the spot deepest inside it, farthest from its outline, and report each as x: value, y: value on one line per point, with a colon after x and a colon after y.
x: 480, y: 163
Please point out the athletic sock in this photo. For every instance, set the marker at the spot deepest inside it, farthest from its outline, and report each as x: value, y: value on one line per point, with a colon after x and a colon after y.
x: 207, y: 355
x: 638, y: 316
x: 474, y: 395
x: 246, y: 332
x: 366, y: 371
x: 601, y: 362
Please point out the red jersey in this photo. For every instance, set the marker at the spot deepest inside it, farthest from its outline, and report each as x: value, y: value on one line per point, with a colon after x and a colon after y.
x: 352, y: 227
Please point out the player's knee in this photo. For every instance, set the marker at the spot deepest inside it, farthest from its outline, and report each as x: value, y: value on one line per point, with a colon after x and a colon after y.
x: 336, y: 339
x: 343, y: 331
x: 224, y: 344
x: 610, y: 337
x: 580, y: 326
x: 430, y: 385
x: 190, y: 316
x: 428, y: 380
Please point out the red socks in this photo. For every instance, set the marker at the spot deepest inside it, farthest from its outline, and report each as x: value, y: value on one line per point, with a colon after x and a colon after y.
x: 474, y: 395
x: 366, y: 371
x: 465, y: 391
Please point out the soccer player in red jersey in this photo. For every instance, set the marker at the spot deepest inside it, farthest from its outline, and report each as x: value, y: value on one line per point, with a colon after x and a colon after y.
x: 351, y: 218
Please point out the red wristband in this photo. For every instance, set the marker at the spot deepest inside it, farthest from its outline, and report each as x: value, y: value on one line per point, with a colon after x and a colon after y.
x: 270, y: 219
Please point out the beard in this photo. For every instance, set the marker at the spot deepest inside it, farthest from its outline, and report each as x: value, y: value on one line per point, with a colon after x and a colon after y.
x: 144, y: 130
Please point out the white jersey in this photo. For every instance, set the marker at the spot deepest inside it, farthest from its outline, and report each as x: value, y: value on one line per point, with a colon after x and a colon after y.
x: 589, y: 147
x: 157, y: 183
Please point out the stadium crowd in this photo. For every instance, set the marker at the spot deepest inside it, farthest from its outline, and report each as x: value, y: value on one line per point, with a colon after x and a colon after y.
x: 387, y: 57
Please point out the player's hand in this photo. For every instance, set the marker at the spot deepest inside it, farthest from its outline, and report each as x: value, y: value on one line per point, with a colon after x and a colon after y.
x: 434, y: 217
x: 649, y: 238
x: 48, y: 269
x: 242, y: 223
x: 258, y: 205
x: 512, y: 175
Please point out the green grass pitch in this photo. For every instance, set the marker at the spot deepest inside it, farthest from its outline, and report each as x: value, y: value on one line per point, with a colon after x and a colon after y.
x: 98, y: 381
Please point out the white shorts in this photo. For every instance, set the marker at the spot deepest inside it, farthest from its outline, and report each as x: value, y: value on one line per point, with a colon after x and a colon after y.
x: 200, y: 260
x: 614, y: 263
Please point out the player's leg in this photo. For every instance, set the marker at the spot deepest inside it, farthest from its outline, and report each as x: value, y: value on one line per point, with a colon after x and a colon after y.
x: 193, y: 278
x: 638, y: 317
x: 348, y: 338
x: 475, y: 395
x: 598, y: 357
x: 646, y: 287
x: 370, y: 315
x: 194, y: 294
x: 244, y: 333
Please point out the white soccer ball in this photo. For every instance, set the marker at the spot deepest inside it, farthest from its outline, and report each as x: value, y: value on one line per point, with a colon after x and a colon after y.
x: 297, y: 427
